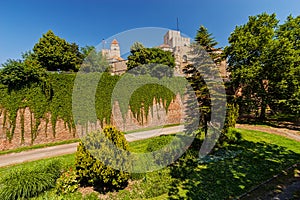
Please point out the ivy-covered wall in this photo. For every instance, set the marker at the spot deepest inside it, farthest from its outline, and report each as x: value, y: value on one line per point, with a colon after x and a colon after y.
x: 51, y: 100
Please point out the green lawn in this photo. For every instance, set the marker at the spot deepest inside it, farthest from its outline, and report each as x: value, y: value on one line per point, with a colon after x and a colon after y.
x: 66, y: 160
x: 257, y: 158
x: 151, y: 128
x: 257, y: 136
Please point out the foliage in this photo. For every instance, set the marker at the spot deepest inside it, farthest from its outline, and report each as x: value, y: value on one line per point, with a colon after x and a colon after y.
x: 54, y: 53
x: 197, y: 82
x: 29, y: 182
x: 158, y: 142
x: 289, y: 86
x: 156, y: 183
x: 263, y: 61
x: 165, y: 148
x: 136, y: 47
x: 228, y: 135
x: 67, y: 182
x: 206, y: 40
x: 16, y: 74
x: 151, y: 61
x: 55, y: 98
x: 91, y: 170
x: 94, y: 61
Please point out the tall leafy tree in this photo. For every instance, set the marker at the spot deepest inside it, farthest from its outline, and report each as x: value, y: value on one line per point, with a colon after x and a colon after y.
x: 288, y: 35
x: 17, y: 74
x: 54, y: 53
x: 248, y: 61
x: 153, y: 61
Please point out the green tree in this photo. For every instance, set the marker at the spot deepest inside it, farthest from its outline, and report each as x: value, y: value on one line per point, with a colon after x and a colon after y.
x: 207, y: 41
x: 153, y: 61
x: 85, y: 51
x: 55, y: 53
x: 94, y: 61
x: 136, y: 46
x: 17, y: 74
x: 289, y: 43
x: 247, y: 52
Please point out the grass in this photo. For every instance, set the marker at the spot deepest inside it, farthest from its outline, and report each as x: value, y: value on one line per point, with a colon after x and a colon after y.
x: 151, y: 128
x: 29, y: 182
x: 38, y: 146
x: 66, y: 160
x: 142, y: 145
x: 258, y: 136
x: 260, y: 156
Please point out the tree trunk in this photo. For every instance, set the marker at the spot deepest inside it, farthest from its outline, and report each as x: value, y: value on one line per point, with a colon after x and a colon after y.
x: 262, y: 116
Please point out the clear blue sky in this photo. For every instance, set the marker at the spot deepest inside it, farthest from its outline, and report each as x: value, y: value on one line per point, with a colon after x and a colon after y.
x: 87, y: 22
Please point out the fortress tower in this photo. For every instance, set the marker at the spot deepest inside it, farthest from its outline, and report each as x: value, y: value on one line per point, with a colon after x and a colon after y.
x: 115, y: 49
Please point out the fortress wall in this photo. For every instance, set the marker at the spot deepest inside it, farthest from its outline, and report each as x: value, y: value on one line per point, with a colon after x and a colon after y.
x: 157, y: 116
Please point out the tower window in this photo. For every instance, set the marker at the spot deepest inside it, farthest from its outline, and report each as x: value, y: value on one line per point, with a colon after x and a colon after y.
x: 184, y: 58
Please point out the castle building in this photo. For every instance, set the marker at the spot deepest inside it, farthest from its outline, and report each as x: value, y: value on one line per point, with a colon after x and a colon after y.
x: 173, y: 41
x: 179, y: 46
x: 113, y: 55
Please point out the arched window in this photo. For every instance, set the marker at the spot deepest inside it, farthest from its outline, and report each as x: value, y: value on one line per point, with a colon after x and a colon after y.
x: 184, y: 58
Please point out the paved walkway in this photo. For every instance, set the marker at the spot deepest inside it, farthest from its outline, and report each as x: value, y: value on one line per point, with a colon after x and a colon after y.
x: 47, y: 152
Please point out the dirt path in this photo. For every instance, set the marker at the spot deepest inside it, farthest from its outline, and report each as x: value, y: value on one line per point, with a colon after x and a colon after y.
x: 292, y: 134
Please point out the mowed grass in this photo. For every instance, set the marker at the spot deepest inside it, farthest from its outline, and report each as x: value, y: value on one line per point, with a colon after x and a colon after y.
x: 151, y: 128
x: 258, y: 136
x: 66, y: 160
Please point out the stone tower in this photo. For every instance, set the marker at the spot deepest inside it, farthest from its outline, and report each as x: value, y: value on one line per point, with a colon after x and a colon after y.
x: 115, y: 49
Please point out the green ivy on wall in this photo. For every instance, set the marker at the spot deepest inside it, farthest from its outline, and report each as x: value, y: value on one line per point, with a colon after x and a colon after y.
x: 53, y: 97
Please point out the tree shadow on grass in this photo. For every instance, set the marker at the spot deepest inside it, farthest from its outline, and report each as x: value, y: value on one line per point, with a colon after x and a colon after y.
x: 230, y: 177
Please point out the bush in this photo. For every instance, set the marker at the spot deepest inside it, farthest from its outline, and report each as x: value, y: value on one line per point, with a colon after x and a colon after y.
x: 67, y: 182
x: 24, y: 183
x: 166, y: 148
x: 159, y: 142
x: 92, y: 171
x: 156, y: 183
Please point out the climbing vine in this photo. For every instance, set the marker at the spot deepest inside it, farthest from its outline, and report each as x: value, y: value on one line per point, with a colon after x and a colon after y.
x: 51, y: 100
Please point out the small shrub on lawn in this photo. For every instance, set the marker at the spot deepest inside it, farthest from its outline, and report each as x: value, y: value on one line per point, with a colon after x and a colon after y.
x: 166, y: 149
x: 25, y: 183
x: 67, y: 182
x: 92, y: 171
